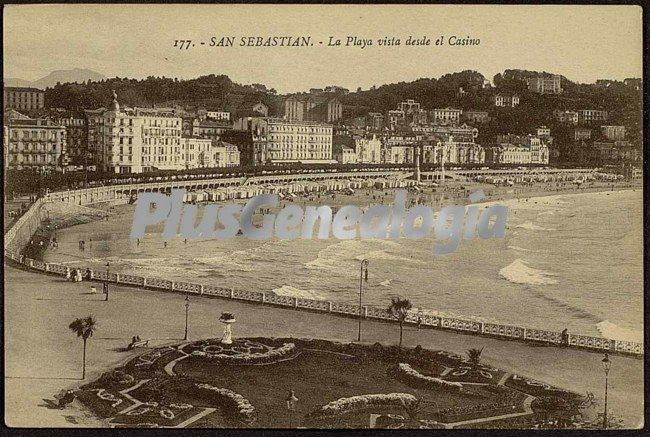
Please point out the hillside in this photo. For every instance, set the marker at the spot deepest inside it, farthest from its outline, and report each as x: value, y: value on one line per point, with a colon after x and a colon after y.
x: 78, y: 75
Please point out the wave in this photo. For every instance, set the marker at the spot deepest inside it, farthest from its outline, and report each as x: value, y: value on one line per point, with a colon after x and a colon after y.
x: 546, y: 213
x: 342, y: 258
x: 385, y: 283
x: 288, y: 290
x: 612, y: 331
x: 519, y: 273
x: 533, y: 227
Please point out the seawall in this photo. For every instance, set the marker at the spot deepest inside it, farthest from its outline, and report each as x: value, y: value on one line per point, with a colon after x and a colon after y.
x: 20, y: 233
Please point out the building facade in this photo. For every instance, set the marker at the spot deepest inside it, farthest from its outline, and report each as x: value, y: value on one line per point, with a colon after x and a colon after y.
x: 368, y: 150
x: 277, y: 141
x: 545, y: 84
x: 502, y: 100
x: 134, y: 140
x: 591, y: 115
x: 446, y: 115
x: 615, y: 133
x: 476, y: 116
x: 313, y: 108
x: 35, y: 145
x: 22, y: 98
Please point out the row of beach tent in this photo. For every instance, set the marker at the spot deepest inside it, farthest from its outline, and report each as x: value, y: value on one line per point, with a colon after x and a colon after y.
x: 291, y: 190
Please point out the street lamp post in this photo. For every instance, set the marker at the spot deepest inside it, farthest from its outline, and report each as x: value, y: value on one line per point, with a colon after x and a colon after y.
x: 364, y: 267
x: 108, y: 277
x: 606, y: 366
x: 187, y: 308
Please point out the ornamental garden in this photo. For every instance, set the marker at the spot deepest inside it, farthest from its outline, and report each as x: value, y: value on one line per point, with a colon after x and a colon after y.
x: 288, y: 382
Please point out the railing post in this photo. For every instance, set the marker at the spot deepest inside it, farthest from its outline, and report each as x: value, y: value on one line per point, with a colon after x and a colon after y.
x: 117, y: 278
x: 295, y: 302
x: 201, y: 289
x: 172, y: 286
x: 47, y: 267
x: 144, y: 282
x: 232, y: 293
x: 329, y: 306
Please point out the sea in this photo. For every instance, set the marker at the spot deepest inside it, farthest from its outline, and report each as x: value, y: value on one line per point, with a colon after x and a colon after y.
x: 571, y: 261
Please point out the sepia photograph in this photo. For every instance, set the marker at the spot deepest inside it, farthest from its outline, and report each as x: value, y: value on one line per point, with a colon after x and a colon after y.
x: 323, y: 216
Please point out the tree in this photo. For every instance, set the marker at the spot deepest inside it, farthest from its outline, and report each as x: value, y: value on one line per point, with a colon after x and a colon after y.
x: 399, y: 308
x: 84, y: 328
x: 474, y: 356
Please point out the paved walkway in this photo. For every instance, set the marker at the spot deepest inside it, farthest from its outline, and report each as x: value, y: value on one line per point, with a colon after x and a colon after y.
x: 42, y: 355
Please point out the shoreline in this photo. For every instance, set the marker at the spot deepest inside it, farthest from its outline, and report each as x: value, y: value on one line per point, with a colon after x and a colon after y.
x: 442, y: 313
x: 506, y: 196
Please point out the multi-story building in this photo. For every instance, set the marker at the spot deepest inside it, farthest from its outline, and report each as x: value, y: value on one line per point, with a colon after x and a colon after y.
x: 344, y: 155
x: 570, y: 117
x: 278, y: 141
x: 36, y: 144
x: 21, y: 98
x: 134, y: 140
x: 375, y: 121
x: 413, y: 113
x: 476, y: 116
x: 208, y: 153
x: 446, y: 115
x: 509, y: 154
x: 395, y: 118
x: 76, y: 137
x: 503, y: 100
x: 615, y: 151
x: 368, y: 150
x: 217, y: 114
x: 209, y: 128
x: 591, y: 115
x: 581, y: 133
x: 300, y: 107
x: 399, y: 154
x: 543, y: 132
x: 462, y: 133
x: 519, y: 149
x: 195, y: 152
x: 615, y: 133
x: 545, y: 84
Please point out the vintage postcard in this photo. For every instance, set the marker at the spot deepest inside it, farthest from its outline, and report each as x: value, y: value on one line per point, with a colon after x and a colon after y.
x: 323, y: 216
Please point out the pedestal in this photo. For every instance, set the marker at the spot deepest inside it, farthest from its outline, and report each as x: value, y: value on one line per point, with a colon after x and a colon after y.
x: 227, y: 332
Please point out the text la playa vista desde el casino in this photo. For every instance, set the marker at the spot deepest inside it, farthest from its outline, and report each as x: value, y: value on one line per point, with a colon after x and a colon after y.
x: 292, y: 221
x: 356, y: 41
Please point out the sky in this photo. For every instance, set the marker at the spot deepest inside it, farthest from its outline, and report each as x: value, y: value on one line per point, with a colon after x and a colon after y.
x: 583, y: 43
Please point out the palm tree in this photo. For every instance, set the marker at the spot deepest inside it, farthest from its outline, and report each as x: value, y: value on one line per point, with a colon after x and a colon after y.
x: 399, y: 308
x: 84, y: 328
x: 474, y: 356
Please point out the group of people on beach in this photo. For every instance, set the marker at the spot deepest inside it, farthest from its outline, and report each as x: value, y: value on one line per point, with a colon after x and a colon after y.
x: 82, y: 244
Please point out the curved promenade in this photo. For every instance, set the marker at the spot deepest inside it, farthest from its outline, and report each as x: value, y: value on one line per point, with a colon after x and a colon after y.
x: 20, y: 233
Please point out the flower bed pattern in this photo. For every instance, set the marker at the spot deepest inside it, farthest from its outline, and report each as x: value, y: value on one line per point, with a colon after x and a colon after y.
x: 406, y: 374
x: 532, y: 387
x: 241, y: 355
x: 358, y: 403
x: 243, y: 407
x: 462, y: 413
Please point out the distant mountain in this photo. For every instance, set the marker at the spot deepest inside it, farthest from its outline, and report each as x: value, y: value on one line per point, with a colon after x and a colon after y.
x: 12, y: 81
x: 78, y: 75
